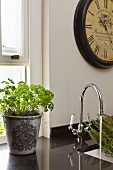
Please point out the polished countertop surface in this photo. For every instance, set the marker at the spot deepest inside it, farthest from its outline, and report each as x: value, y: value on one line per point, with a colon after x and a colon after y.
x: 52, y: 154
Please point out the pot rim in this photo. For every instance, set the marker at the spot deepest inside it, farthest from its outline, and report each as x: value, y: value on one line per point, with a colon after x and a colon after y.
x: 36, y: 116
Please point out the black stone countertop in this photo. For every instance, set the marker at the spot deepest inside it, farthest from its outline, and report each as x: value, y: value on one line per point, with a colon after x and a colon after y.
x: 52, y: 154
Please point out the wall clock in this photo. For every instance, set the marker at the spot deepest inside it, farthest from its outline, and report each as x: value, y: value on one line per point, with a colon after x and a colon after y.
x: 93, y: 31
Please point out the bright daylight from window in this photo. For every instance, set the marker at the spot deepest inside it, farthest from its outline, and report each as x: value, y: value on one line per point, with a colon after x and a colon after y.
x: 17, y: 73
x: 13, y: 34
x: 11, y: 26
x: 12, y: 41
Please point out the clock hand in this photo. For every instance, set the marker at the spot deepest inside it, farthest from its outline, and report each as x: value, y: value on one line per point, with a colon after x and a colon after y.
x: 108, y: 34
x: 105, y: 27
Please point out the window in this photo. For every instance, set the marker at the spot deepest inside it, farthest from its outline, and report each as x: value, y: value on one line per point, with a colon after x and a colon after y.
x: 14, y: 31
x: 11, y: 28
x: 13, y: 42
x: 30, y: 38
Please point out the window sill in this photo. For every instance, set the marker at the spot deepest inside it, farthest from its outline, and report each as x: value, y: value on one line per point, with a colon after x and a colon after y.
x: 3, y: 139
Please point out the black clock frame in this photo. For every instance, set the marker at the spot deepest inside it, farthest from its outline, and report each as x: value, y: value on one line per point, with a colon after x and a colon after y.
x: 81, y: 38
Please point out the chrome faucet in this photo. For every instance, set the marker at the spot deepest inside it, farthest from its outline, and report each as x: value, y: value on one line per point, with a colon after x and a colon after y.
x: 81, y: 128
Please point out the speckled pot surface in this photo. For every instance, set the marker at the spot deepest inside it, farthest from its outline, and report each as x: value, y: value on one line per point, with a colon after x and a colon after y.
x: 22, y: 133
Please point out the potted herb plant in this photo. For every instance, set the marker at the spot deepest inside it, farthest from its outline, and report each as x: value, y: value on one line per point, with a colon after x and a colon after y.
x: 22, y: 107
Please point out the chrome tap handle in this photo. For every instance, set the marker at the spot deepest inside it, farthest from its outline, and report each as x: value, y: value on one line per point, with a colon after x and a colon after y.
x: 89, y: 119
x: 71, y: 122
x: 72, y: 119
x: 74, y: 131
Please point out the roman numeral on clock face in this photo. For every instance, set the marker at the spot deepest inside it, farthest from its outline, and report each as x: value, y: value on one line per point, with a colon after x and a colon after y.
x: 89, y: 26
x: 91, y: 13
x: 97, y: 4
x: 91, y: 39
x: 97, y: 48
x: 105, y: 53
x: 105, y: 3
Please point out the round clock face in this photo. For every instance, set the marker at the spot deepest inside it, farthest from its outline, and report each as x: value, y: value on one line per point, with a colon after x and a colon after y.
x: 99, y: 28
x: 93, y: 29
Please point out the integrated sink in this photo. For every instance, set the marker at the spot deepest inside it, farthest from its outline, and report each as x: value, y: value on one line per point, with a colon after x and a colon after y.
x: 96, y: 153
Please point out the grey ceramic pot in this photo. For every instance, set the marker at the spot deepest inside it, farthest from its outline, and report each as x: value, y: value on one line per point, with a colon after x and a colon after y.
x: 22, y: 133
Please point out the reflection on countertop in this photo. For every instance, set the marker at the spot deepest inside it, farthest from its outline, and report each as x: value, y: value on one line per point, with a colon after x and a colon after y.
x: 52, y: 154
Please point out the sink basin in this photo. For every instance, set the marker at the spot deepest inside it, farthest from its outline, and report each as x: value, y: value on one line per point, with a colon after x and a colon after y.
x: 96, y: 153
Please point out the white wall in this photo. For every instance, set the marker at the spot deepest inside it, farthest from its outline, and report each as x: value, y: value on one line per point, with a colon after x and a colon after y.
x: 34, y: 69
x: 68, y: 71
x: 35, y: 41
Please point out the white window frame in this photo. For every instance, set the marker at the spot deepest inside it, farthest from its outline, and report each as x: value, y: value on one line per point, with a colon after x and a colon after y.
x: 24, y: 58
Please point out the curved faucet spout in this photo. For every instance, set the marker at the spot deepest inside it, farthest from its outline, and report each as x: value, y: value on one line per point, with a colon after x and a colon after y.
x: 80, y: 131
x: 99, y: 97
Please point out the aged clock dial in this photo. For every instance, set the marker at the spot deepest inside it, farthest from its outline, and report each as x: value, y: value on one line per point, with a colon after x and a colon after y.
x: 93, y: 30
x: 99, y: 28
